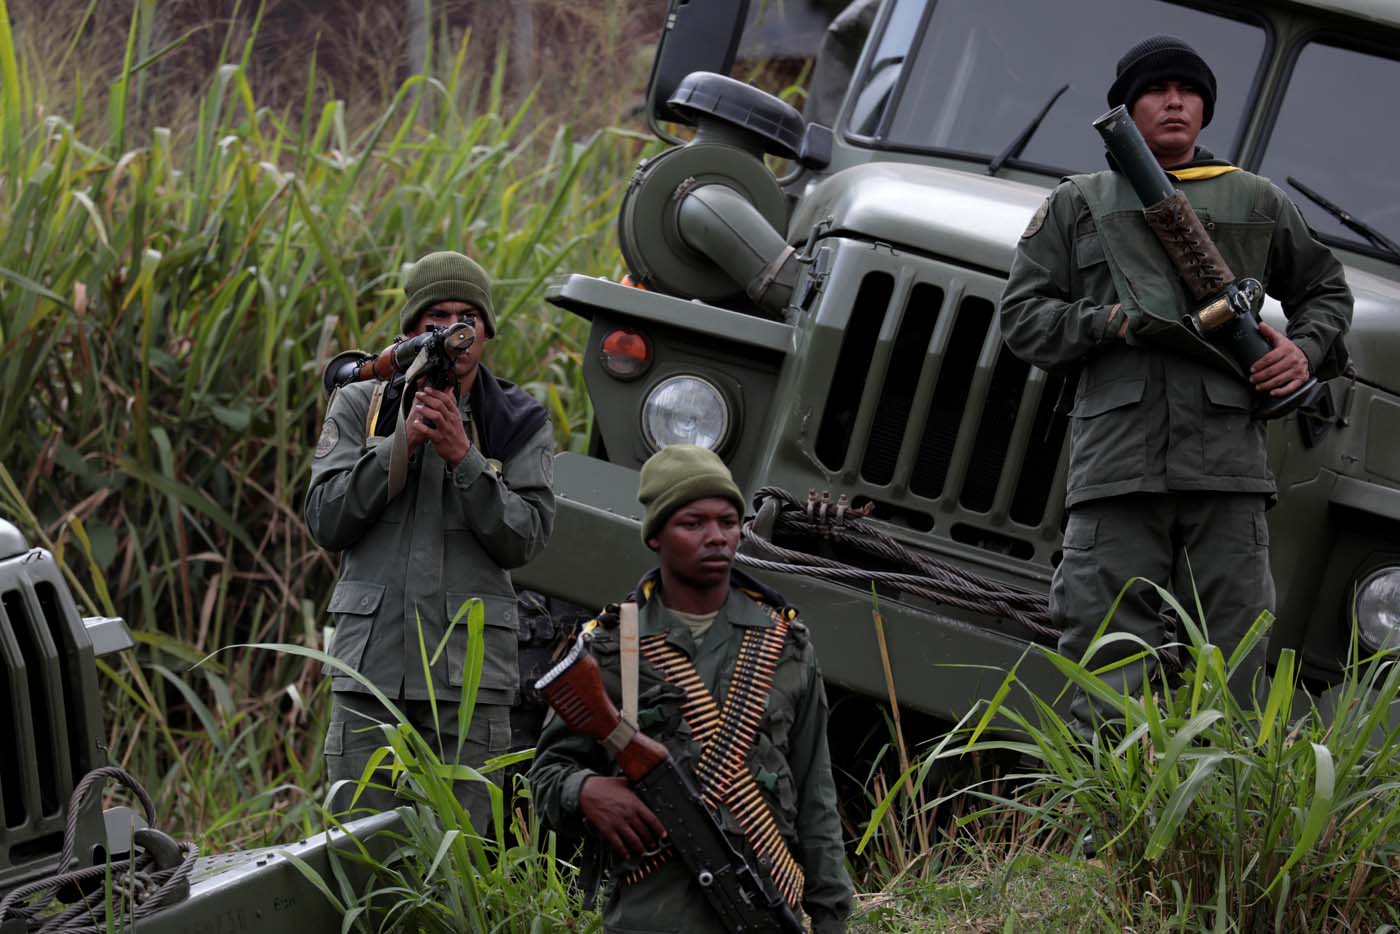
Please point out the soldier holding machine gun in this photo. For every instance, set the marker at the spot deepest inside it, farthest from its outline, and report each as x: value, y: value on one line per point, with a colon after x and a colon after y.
x: 1158, y: 309
x: 713, y: 793
x: 432, y: 478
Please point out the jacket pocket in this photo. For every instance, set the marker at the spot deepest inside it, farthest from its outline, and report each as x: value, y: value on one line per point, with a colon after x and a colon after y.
x: 1232, y: 442
x: 353, y: 606
x: 1243, y: 244
x: 500, y: 668
x: 1105, y: 397
x: 774, y: 778
x: 1088, y: 251
x: 1108, y: 435
x: 1081, y: 532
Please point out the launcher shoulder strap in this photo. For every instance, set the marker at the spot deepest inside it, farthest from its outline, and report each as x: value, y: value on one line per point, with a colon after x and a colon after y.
x: 376, y: 401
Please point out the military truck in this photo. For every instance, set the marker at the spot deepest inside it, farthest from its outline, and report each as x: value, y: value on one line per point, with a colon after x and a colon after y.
x: 52, y: 747
x: 832, y: 326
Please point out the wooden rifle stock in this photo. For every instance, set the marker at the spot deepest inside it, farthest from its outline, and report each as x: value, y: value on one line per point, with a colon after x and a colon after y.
x: 579, y: 698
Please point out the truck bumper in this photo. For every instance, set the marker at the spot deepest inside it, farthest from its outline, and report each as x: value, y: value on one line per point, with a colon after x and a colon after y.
x: 264, y: 891
x: 944, y: 660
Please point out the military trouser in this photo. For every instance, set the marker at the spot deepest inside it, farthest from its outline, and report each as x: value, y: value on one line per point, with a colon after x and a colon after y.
x: 1225, y: 538
x: 352, y: 738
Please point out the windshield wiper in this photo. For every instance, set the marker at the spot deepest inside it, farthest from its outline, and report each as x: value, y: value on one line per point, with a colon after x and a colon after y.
x: 1024, y: 137
x: 1366, y: 230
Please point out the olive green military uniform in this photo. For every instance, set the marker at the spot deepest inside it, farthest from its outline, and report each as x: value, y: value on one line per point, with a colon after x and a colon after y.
x: 790, y: 761
x: 1165, y: 459
x: 414, y: 561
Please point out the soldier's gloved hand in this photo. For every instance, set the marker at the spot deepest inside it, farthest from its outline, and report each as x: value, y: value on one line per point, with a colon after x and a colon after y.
x: 1281, y: 370
x: 621, y: 819
x: 1117, y: 324
x: 1117, y: 321
x: 434, y: 418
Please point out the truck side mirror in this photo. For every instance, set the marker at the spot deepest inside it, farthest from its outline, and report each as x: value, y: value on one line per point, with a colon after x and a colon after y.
x: 699, y: 35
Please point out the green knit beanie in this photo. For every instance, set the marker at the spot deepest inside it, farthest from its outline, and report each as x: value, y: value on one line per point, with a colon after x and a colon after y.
x: 447, y: 277
x: 680, y: 474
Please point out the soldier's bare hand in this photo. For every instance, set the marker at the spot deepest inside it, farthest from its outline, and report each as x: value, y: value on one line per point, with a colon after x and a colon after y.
x: 434, y: 418
x: 1281, y: 370
x: 417, y: 425
x: 621, y: 819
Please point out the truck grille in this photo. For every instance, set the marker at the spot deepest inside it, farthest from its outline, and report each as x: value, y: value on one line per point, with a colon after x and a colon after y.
x: 51, y: 741
x: 963, y: 436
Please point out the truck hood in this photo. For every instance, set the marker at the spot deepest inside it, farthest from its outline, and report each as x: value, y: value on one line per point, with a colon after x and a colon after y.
x: 977, y: 219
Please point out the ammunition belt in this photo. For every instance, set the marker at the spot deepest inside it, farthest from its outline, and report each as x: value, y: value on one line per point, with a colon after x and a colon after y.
x: 726, y: 734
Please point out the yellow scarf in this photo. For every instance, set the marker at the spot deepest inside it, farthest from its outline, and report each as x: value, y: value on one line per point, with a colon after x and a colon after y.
x: 1200, y: 172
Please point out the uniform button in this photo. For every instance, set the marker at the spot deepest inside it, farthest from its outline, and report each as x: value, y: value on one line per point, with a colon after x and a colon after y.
x: 364, y: 601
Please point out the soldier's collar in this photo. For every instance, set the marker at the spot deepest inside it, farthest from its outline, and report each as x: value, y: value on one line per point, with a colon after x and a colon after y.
x: 1203, y: 165
x: 765, y: 596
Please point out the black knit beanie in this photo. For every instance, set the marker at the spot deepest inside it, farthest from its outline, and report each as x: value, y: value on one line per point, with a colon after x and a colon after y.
x: 1162, y: 58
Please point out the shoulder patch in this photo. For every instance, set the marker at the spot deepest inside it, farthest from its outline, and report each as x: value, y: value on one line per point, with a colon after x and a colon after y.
x: 1037, y: 221
x: 330, y: 436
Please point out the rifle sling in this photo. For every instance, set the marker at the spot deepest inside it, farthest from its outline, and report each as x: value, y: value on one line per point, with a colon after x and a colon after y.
x: 398, y: 451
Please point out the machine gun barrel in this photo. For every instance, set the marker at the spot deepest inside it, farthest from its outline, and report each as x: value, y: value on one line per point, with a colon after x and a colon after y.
x: 740, y: 892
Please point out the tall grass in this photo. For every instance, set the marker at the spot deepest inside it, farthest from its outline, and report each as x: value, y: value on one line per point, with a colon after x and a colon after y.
x: 169, y: 296
x: 1275, y: 814
x: 441, y: 873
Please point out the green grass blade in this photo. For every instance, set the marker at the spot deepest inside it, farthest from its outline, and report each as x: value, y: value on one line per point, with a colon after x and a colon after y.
x: 1319, y: 809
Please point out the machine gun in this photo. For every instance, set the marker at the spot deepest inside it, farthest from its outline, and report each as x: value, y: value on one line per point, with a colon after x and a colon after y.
x: 1227, y: 308
x: 740, y: 892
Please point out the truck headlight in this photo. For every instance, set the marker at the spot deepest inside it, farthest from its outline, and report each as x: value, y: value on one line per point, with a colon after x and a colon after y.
x: 685, y: 410
x: 1378, y: 609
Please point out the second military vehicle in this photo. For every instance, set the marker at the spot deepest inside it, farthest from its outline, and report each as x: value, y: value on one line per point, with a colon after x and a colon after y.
x: 834, y: 328
x: 56, y: 839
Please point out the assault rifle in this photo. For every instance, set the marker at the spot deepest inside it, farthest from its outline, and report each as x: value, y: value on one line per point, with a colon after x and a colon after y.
x: 1227, y: 310
x: 741, y: 894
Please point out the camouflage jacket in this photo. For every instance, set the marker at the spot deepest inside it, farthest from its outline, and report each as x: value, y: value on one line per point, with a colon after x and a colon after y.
x: 417, y: 559
x: 790, y: 761
x: 1147, y: 419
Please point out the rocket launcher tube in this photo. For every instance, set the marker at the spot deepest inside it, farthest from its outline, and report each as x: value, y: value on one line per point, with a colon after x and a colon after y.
x: 1136, y: 162
x: 1227, y: 309
x: 446, y: 343
x: 743, y: 896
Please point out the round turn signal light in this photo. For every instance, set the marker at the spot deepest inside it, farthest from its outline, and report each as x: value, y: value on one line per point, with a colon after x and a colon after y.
x: 626, y: 354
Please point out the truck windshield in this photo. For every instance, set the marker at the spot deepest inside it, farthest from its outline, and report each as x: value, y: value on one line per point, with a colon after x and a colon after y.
x: 1336, y: 133
x: 966, y: 76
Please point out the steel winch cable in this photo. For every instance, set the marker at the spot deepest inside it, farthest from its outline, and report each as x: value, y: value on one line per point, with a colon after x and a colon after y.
x: 917, y: 573
x: 140, y: 885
